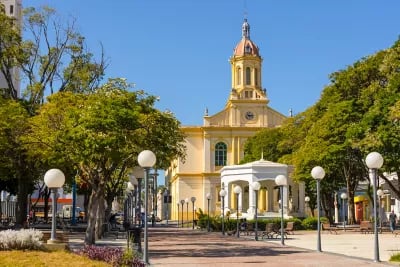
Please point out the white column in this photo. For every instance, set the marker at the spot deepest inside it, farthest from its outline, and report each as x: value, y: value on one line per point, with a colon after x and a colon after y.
x: 240, y: 201
x: 252, y: 200
x: 336, y: 208
x: 285, y: 200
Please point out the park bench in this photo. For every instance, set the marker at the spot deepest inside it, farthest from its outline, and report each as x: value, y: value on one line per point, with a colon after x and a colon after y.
x: 271, y: 231
x: 329, y: 227
x: 289, y: 229
x: 366, y: 227
x: 248, y: 230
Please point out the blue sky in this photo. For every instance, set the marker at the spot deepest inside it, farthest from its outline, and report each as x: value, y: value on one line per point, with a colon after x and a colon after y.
x: 179, y: 50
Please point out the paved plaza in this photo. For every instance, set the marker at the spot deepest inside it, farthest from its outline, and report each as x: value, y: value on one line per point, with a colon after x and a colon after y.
x: 171, y: 246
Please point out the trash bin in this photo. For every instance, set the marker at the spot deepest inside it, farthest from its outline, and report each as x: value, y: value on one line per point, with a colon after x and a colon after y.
x: 134, y: 236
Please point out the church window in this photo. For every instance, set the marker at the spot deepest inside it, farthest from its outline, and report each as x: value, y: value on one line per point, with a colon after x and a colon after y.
x: 248, y: 94
x: 220, y: 154
x: 256, y: 76
x: 238, y: 76
x: 247, y: 49
x: 11, y: 9
x: 248, y: 76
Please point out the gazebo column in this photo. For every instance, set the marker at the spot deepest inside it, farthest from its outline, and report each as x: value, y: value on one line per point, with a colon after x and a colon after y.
x: 262, y: 201
x: 232, y: 197
x: 285, y: 201
x: 241, y: 202
x: 252, y: 200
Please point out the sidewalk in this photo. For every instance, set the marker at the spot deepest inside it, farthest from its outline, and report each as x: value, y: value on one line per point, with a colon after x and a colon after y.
x: 171, y: 246
x: 187, y: 247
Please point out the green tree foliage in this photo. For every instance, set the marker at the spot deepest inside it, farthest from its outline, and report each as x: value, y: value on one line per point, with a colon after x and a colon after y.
x: 101, y: 134
x: 263, y: 145
x: 13, y: 164
x: 358, y: 112
x: 51, y: 57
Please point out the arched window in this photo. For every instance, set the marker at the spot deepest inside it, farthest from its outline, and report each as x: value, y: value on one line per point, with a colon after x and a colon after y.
x: 256, y: 76
x: 248, y: 76
x: 238, y: 76
x: 220, y: 154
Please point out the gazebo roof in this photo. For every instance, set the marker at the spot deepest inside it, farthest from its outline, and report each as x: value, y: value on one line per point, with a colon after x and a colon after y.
x: 260, y: 169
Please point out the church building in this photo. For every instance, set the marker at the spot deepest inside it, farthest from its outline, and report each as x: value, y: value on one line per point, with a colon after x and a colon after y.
x: 219, y: 142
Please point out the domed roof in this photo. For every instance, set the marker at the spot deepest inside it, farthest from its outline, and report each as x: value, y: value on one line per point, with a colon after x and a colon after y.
x: 246, y: 46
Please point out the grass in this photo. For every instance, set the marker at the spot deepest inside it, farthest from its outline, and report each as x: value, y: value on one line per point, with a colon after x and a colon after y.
x: 395, y: 257
x: 18, y: 258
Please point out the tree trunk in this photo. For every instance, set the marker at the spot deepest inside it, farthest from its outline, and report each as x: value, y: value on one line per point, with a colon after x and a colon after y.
x: 21, y: 212
x: 100, y: 220
x: 91, y: 215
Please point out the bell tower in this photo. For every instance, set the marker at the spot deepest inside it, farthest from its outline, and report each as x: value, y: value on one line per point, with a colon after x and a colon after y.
x: 246, y: 68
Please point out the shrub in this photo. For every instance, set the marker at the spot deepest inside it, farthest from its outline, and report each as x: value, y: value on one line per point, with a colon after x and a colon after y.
x: 21, y: 239
x: 113, y: 256
x: 395, y: 257
x: 312, y: 222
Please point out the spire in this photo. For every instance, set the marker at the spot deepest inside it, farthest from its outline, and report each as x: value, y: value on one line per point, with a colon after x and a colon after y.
x: 245, y: 30
x: 206, y: 112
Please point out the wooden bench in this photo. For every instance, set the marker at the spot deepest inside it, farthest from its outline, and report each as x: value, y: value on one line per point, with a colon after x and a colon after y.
x: 366, y: 227
x: 328, y: 227
x: 289, y: 229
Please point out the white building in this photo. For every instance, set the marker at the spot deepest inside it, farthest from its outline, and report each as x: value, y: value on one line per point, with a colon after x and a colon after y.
x: 12, y: 8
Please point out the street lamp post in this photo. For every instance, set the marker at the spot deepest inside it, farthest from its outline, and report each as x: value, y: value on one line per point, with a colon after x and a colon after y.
x: 343, y: 196
x: 281, y: 181
x: 380, y: 193
x: 139, y: 200
x: 237, y: 190
x: 187, y: 210
x: 146, y: 160
x: 54, y: 179
x: 374, y: 161
x: 208, y: 196
x: 222, y: 194
x: 128, y: 214
x: 256, y: 186
x: 193, y: 199
x: 177, y: 203
x: 182, y: 202
x: 318, y: 174
x: 307, y: 200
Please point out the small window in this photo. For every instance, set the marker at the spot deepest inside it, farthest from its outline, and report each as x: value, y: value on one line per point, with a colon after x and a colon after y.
x: 11, y: 9
x: 220, y: 154
x: 238, y: 76
x: 247, y: 49
x: 248, y: 76
x: 248, y: 94
x: 256, y: 76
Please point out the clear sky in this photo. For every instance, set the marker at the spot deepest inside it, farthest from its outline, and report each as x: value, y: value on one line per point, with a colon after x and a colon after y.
x: 179, y: 50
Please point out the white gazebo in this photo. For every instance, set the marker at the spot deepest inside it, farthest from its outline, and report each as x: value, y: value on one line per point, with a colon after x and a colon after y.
x: 264, y: 172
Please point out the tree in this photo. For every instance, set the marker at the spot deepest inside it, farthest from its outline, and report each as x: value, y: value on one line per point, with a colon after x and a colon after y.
x: 51, y: 58
x: 263, y: 145
x: 101, y: 134
x: 357, y: 113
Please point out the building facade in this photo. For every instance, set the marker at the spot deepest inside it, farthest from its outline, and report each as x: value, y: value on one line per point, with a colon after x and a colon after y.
x: 220, y: 140
x: 12, y: 8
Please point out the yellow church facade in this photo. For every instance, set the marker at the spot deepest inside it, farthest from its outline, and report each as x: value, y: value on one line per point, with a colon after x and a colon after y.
x: 220, y: 140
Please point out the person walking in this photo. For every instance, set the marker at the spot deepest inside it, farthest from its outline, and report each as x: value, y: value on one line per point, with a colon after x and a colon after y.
x: 392, y: 221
